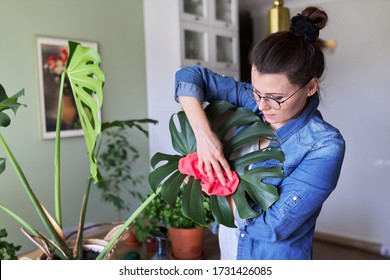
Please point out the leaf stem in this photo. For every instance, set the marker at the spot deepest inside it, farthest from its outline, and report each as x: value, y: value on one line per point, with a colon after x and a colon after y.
x: 31, y: 195
x: 127, y: 223
x: 57, y: 157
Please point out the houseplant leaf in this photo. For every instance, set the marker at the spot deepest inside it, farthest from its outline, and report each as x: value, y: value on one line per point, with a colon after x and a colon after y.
x: 183, y: 139
x: 171, y: 187
x: 160, y: 173
x: 235, y: 127
x: 221, y: 210
x: 192, y: 205
x: 87, y: 79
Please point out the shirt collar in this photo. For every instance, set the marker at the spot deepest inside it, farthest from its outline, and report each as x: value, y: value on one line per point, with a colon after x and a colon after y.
x: 292, y: 126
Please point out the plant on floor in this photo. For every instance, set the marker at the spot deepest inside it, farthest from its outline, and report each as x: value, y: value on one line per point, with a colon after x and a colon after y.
x: 161, y: 214
x: 8, y: 250
x: 86, y: 80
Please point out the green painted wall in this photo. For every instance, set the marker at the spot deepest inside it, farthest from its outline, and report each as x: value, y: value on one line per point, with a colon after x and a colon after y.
x: 117, y: 26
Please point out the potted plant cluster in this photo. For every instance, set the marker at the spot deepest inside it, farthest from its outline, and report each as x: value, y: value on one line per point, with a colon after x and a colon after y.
x: 186, y: 236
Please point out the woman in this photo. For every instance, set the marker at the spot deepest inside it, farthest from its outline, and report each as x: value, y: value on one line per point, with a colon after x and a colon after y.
x: 284, y: 91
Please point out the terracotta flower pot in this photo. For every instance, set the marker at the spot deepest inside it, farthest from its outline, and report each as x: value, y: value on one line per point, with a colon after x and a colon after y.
x: 130, y: 239
x: 187, y: 244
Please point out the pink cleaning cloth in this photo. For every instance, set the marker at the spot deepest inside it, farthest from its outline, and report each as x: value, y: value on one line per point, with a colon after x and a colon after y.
x: 189, y: 165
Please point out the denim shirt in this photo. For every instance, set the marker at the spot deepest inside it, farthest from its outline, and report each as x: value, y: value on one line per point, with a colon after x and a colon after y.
x: 314, y: 152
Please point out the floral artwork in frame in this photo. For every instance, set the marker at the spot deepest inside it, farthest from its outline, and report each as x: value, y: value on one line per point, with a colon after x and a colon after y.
x: 52, y: 58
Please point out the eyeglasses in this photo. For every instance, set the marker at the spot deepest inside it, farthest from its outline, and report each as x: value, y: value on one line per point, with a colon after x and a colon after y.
x: 271, y: 102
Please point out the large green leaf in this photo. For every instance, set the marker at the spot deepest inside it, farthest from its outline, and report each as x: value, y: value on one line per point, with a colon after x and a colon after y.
x: 221, y: 211
x: 239, y: 118
x: 192, y: 205
x: 87, y: 79
x: 217, y: 109
x: 246, y: 128
x: 243, y: 208
x: 171, y: 187
x: 241, y: 164
x: 160, y: 173
x: 251, y: 133
x: 264, y: 195
x: 183, y: 139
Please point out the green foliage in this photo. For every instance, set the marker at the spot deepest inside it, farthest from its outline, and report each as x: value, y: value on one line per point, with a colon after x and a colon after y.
x: 7, y: 250
x: 116, y: 160
x: 86, y: 79
x: 159, y: 213
x: 225, y: 119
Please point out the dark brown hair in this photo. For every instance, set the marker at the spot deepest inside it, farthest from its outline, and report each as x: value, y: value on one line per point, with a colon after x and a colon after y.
x: 296, y: 56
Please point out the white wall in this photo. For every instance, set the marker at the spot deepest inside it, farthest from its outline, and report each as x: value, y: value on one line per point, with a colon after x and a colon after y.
x: 355, y: 99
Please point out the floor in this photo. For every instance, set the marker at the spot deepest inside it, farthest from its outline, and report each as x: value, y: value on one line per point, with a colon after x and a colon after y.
x: 321, y: 251
x: 329, y: 251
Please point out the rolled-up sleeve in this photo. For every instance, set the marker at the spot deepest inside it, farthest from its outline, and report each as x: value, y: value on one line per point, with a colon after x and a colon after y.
x: 208, y: 86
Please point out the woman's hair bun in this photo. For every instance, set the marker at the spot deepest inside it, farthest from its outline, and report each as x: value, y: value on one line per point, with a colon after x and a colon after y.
x: 308, y: 23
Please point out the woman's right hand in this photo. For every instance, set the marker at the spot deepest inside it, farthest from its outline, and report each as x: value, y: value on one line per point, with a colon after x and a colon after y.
x: 209, y: 148
x: 211, y: 157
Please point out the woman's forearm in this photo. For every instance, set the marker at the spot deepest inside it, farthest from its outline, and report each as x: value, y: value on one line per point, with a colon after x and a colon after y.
x: 209, y: 148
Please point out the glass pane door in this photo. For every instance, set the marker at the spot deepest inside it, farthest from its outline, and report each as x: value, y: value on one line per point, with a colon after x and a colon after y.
x: 223, y: 10
x: 194, y: 42
x: 194, y: 7
x: 224, y: 49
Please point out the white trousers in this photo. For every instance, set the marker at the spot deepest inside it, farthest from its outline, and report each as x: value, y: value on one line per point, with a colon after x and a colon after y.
x: 228, y: 242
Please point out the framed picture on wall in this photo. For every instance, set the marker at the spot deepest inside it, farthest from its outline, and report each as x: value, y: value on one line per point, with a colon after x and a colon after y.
x: 52, y: 58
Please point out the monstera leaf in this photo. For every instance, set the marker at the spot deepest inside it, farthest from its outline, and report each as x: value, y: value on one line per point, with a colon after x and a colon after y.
x: 87, y: 79
x: 236, y: 128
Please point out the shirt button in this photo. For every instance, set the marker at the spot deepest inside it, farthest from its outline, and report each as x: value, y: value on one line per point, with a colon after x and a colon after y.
x: 295, y: 198
x: 242, y: 235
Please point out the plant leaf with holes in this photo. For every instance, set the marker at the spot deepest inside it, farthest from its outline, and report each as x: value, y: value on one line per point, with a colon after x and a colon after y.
x: 236, y: 128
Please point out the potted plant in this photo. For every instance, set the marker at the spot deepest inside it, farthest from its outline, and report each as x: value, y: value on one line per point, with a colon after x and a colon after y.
x: 186, y: 236
x: 86, y: 80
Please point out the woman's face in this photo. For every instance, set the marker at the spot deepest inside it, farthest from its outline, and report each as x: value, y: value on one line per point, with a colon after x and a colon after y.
x: 278, y: 87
